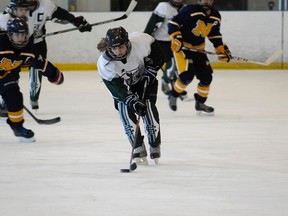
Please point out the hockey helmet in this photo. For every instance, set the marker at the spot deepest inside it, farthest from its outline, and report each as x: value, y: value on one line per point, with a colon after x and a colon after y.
x: 17, y: 30
x: 206, y: 4
x: 115, y: 39
x: 15, y: 4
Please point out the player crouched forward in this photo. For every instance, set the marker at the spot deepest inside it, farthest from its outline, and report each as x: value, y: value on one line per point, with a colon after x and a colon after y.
x: 126, y: 64
x: 16, y: 50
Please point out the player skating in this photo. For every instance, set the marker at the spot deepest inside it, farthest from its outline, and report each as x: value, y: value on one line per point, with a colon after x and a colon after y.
x: 42, y: 11
x: 189, y: 28
x: 17, y: 50
x: 125, y: 66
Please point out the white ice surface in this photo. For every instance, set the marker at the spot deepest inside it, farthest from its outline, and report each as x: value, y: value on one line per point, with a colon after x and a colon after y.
x: 232, y: 164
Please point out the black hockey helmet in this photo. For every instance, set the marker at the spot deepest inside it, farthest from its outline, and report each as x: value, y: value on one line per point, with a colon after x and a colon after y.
x: 17, y: 27
x: 116, y: 37
x: 177, y: 3
x: 206, y: 4
x: 19, y: 3
x: 15, y: 4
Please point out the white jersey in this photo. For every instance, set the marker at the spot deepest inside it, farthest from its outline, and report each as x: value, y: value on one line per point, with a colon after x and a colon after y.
x: 133, y: 69
x: 40, y: 16
x: 4, y: 20
x: 166, y: 11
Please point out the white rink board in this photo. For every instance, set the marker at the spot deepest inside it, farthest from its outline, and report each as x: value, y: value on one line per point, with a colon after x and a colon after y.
x: 253, y: 35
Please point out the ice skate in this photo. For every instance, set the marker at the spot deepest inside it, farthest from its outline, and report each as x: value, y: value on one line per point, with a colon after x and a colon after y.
x: 3, y: 109
x: 203, y: 110
x: 172, y: 102
x: 140, y: 155
x: 25, y: 135
x: 165, y: 87
x: 34, y: 105
x: 155, y: 154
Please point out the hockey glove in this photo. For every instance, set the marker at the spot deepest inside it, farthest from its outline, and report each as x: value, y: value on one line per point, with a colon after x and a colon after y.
x: 134, y: 103
x: 149, y: 76
x: 176, y: 43
x: 82, y: 24
x: 58, y: 79
x: 223, y: 49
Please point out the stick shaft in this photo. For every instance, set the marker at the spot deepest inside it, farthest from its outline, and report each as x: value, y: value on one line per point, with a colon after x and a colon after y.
x: 131, y: 7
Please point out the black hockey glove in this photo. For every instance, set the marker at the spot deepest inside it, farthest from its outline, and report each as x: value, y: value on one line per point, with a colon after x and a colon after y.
x: 82, y: 24
x: 58, y: 79
x: 149, y: 76
x: 134, y: 103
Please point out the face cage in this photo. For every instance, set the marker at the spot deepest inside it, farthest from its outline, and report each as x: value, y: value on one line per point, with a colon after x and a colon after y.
x: 13, y: 12
x: 206, y: 6
x: 111, y: 53
x: 18, y: 46
x: 176, y: 4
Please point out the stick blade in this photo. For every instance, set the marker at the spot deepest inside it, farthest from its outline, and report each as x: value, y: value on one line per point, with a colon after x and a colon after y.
x: 49, y: 121
x: 273, y: 57
x: 131, y: 7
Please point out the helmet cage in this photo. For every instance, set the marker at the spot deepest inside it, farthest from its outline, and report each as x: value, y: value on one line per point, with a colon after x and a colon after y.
x: 116, y: 37
x: 206, y: 6
x: 17, y: 26
x: 15, y: 4
x: 176, y: 4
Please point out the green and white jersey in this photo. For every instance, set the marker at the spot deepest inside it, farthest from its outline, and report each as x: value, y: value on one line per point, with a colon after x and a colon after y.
x: 118, y: 75
x: 157, y: 25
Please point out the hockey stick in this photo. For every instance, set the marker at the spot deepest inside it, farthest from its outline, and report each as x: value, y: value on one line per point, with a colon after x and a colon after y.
x: 42, y: 121
x: 133, y: 165
x: 271, y: 59
x: 130, y: 8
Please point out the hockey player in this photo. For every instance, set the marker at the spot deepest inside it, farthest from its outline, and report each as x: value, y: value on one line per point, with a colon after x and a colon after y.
x: 17, y: 50
x: 189, y: 28
x: 157, y: 27
x: 126, y: 64
x: 16, y: 8
x: 42, y: 11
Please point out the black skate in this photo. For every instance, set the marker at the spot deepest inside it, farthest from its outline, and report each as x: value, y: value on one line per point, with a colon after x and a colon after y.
x: 165, y: 87
x: 3, y: 110
x: 140, y: 155
x: 172, y: 102
x: 203, y: 110
x: 34, y: 105
x: 25, y: 135
x: 155, y: 154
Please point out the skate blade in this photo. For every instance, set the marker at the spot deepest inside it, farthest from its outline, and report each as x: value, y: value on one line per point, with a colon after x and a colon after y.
x: 156, y: 161
x: 141, y: 161
x: 201, y: 113
x: 27, y: 140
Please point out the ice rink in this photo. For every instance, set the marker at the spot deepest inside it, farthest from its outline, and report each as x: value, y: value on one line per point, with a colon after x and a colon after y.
x: 232, y: 164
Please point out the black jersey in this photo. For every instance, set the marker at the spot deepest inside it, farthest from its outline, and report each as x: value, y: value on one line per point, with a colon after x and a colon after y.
x: 12, y: 59
x: 195, y: 25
